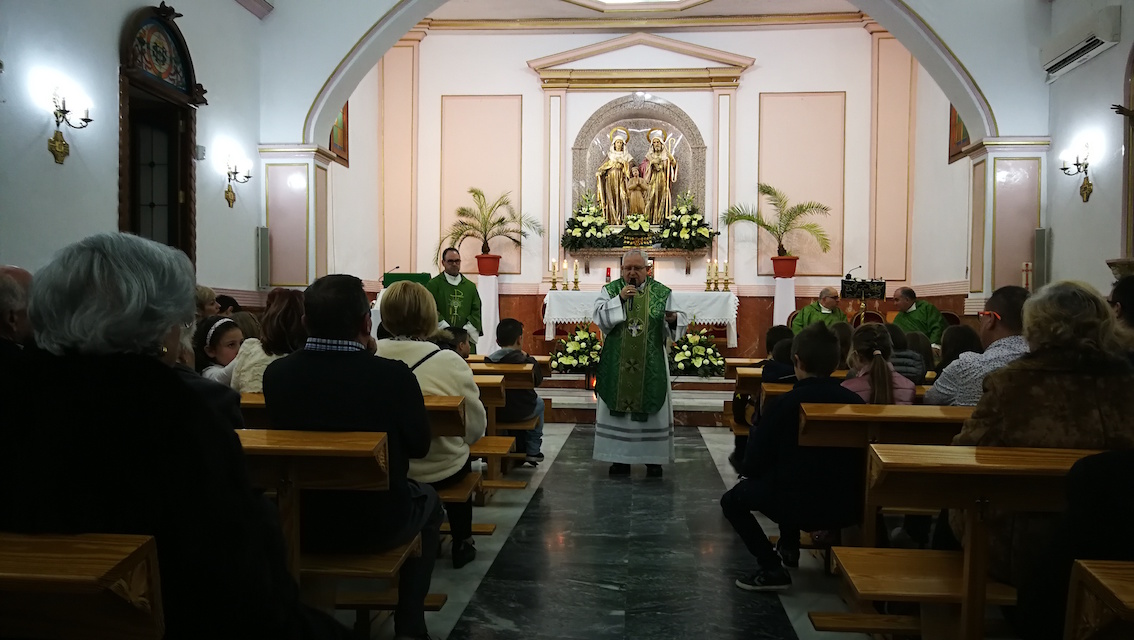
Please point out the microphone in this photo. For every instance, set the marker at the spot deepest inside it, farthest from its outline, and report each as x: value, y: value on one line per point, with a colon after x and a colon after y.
x: 848, y: 277
x: 396, y: 267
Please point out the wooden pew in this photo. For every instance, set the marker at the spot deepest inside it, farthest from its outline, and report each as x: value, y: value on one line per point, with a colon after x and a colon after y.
x: 732, y: 364
x: 516, y: 376
x: 92, y: 586
x: 1101, y: 594
x: 972, y: 479
x: 446, y: 415
x: 860, y: 425
x: 254, y: 410
x: 748, y: 380
x: 492, y: 447
x: 544, y: 362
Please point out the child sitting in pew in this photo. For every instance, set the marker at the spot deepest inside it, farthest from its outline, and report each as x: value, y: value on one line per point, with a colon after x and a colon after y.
x: 520, y: 404
x: 875, y: 378
x: 776, y: 368
x: 453, y: 339
x: 800, y: 488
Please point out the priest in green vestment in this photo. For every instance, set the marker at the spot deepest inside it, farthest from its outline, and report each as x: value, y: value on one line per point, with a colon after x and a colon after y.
x: 634, y: 418
x: 825, y: 309
x: 918, y: 315
x: 458, y: 301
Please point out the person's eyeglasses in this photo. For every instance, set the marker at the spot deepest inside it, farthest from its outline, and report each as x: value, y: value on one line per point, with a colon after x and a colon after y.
x: 835, y: 298
x: 988, y: 314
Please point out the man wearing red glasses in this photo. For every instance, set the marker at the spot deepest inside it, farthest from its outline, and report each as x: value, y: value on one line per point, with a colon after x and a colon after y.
x: 1001, y: 323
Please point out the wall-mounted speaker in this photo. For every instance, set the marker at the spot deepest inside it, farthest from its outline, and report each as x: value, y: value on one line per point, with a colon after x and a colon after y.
x: 1042, y: 264
x: 263, y: 259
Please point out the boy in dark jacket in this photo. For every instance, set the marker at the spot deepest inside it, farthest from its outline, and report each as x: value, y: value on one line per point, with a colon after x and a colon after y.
x: 520, y: 404
x: 807, y: 488
x: 776, y: 367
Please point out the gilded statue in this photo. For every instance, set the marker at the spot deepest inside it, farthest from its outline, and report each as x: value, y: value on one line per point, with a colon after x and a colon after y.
x: 661, y: 171
x: 611, y: 177
x: 637, y: 187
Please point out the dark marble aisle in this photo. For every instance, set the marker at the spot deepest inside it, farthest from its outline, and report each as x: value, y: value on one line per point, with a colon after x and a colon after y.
x: 597, y: 558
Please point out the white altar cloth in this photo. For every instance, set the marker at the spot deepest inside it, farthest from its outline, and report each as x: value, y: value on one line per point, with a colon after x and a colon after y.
x: 701, y: 307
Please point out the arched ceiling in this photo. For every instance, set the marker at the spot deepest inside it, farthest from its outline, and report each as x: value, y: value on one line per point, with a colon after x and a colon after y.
x: 583, y: 9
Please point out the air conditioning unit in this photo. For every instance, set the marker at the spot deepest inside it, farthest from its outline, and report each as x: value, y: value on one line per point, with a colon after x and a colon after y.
x: 1081, y: 42
x: 263, y: 259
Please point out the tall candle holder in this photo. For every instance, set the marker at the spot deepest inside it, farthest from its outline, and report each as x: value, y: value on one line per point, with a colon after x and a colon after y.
x: 727, y: 280
x: 576, y: 287
x: 708, y: 275
x: 555, y: 276
x: 716, y: 278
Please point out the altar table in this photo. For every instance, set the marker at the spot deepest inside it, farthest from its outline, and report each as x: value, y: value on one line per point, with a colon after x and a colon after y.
x: 701, y: 307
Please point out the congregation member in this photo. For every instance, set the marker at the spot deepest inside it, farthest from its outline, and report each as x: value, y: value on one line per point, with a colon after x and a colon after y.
x: 207, y: 305
x: 227, y: 306
x: 335, y: 383
x: 876, y: 379
x: 281, y: 333
x: 15, y: 327
x: 918, y: 315
x: 957, y: 340
x: 1122, y: 300
x: 215, y: 345
x: 844, y: 332
x: 409, y: 314
x: 775, y: 367
x: 825, y: 309
x: 249, y: 324
x: 1001, y: 324
x: 799, y: 488
x: 906, y: 361
x: 133, y: 450
x: 919, y: 344
x: 219, y: 397
x: 454, y: 340
x: 457, y: 299
x: 634, y: 417
x: 520, y: 404
x: 1071, y: 391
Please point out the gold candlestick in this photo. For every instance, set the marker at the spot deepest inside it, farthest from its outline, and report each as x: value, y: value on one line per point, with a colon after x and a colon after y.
x: 576, y: 287
x: 708, y: 274
x: 726, y: 278
x: 716, y: 277
x: 554, y: 277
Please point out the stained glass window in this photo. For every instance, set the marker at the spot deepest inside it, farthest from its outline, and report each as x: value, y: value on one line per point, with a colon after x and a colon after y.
x: 156, y: 53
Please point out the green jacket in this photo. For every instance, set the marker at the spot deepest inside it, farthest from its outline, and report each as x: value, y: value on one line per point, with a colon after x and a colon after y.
x: 813, y: 313
x: 924, y: 318
x: 456, y: 305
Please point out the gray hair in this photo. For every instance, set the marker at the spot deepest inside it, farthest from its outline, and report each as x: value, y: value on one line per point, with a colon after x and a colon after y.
x: 13, y: 296
x: 641, y: 252
x: 112, y: 293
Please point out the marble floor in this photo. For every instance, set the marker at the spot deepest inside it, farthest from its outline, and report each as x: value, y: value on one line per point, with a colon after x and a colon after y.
x: 580, y: 555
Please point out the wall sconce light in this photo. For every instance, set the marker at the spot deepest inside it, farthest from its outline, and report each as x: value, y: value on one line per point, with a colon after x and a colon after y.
x: 1087, y: 187
x: 56, y: 144
x: 234, y: 176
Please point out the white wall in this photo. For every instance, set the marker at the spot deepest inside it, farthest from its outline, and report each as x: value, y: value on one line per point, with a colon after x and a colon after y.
x: 45, y: 206
x: 354, y: 222
x: 941, y: 207
x: 1085, y: 235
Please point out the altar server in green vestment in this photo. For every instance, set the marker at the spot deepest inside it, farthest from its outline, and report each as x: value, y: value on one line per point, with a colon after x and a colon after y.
x: 918, y: 315
x: 825, y: 309
x: 634, y: 421
x: 458, y: 302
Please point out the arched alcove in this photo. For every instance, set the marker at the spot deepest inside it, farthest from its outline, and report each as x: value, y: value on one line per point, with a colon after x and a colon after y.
x: 639, y: 114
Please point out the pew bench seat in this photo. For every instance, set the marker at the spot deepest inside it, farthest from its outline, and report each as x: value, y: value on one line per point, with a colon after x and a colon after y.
x: 461, y: 491
x: 875, y: 623
x: 492, y: 447
x: 384, y: 565
x: 478, y: 529
x: 525, y: 425
x: 911, y: 575
x: 362, y: 603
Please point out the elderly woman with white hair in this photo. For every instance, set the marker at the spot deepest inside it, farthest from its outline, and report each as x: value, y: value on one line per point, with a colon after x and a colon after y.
x: 103, y: 436
x: 1072, y: 391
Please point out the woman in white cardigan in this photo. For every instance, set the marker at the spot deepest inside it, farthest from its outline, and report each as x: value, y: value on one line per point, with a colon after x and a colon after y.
x: 410, y: 315
x: 281, y: 332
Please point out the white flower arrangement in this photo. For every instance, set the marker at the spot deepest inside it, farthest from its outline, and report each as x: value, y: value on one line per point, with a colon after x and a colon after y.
x: 578, y: 352
x: 637, y: 222
x: 587, y: 228
x: 696, y: 353
x: 686, y: 228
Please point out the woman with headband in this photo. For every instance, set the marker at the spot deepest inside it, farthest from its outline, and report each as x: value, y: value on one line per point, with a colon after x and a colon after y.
x: 216, y: 344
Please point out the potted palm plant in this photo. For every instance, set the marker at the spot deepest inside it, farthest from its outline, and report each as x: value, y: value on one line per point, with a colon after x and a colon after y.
x: 789, y: 218
x: 484, y: 222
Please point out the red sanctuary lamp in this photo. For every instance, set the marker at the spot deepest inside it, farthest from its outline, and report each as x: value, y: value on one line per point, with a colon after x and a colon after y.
x: 591, y: 378
x: 608, y: 274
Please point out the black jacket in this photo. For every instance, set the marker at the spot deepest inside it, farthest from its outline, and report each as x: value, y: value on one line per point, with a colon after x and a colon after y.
x: 519, y: 404
x: 815, y: 487
x: 351, y: 391
x: 222, y: 399
x: 118, y: 444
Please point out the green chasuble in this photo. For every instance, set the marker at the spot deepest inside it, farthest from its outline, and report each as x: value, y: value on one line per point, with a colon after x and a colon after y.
x: 633, y: 375
x: 813, y: 313
x: 456, y: 305
x: 925, y: 318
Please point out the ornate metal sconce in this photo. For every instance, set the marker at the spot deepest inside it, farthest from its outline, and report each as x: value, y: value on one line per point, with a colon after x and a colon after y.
x: 234, y: 176
x: 56, y: 144
x: 1087, y: 187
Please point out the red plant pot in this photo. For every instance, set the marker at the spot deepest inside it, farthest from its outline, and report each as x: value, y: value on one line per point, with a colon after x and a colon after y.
x: 783, y: 266
x: 488, y: 264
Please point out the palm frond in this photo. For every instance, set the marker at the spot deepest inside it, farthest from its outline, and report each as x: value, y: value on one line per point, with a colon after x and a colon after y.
x: 818, y: 232
x: 486, y: 221
x: 776, y: 198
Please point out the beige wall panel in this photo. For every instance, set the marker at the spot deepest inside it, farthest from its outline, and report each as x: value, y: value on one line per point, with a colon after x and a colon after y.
x: 321, y: 230
x: 802, y: 151
x: 480, y: 147
x: 976, y: 250
x: 397, y: 104
x: 893, y: 100
x: 1015, y: 217
x: 287, y: 211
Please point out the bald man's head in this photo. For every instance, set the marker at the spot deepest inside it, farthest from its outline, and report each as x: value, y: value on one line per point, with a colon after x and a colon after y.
x: 15, y: 285
x: 829, y: 298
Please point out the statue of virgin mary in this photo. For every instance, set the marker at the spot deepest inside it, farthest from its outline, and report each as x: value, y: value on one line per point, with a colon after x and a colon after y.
x: 611, y: 178
x: 661, y: 171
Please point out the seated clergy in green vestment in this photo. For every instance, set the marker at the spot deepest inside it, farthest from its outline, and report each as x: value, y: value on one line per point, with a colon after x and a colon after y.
x: 918, y: 315
x: 825, y: 309
x: 634, y: 421
x: 458, y: 301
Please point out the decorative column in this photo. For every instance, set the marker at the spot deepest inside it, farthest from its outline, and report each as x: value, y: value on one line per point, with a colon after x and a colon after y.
x: 725, y: 162
x: 555, y: 105
x: 398, y: 114
x: 295, y: 212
